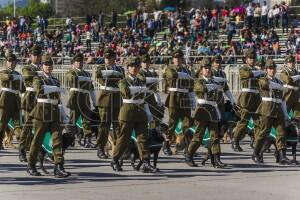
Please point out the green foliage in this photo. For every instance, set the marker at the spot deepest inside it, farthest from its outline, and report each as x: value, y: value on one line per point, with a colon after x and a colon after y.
x: 176, y: 3
x: 33, y: 8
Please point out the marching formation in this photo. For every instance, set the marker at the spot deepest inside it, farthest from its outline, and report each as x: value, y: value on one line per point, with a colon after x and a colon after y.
x: 126, y: 116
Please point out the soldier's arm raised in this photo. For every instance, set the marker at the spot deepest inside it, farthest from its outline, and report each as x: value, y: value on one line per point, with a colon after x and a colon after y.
x: 5, y: 76
x: 263, y: 83
x: 27, y: 73
x: 38, y: 85
x: 245, y: 73
x: 124, y: 89
x: 285, y: 78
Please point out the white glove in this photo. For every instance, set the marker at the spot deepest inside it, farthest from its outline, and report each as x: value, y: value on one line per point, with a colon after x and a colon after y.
x: 273, y: 85
x: 219, y: 79
x: 296, y: 78
x: 211, y: 87
x: 151, y: 80
x: 84, y: 78
x: 284, y: 109
x: 93, y: 97
x: 149, y: 114
x: 230, y: 97
x: 182, y: 75
x: 17, y: 77
x: 158, y: 99
x: 63, y: 116
x: 192, y: 98
x: 137, y: 89
x: 257, y: 73
x: 50, y: 89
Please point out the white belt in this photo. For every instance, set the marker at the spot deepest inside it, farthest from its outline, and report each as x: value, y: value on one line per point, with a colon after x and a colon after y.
x: 134, y: 101
x: 30, y: 89
x: 50, y: 101
x: 291, y: 87
x: 275, y: 100
x: 79, y: 90
x: 178, y: 90
x: 204, y: 101
x: 113, y: 89
x: 250, y: 90
x: 10, y: 90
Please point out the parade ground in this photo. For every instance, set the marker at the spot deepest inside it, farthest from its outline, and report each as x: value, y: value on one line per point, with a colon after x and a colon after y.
x: 94, y: 179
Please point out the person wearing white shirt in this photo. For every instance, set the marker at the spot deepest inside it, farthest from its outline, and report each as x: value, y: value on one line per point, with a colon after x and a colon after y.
x: 264, y: 15
x: 250, y: 14
x: 270, y: 18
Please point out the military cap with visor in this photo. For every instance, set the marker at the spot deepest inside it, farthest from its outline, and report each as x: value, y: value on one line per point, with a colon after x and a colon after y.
x: 109, y: 53
x: 271, y: 64
x: 78, y: 57
x: 47, y: 60
x: 177, y: 53
x: 205, y: 63
x: 290, y: 59
x: 134, y: 62
x: 251, y: 53
x: 36, y: 50
x: 11, y: 57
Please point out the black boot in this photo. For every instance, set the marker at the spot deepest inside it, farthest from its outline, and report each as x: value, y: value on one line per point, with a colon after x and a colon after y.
x: 116, y: 165
x: 236, y: 146
x: 101, y: 154
x: 31, y: 169
x: 217, y: 161
x: 22, y: 155
x: 167, y: 149
x: 189, y: 160
x: 59, y: 171
x: 1, y: 146
x: 88, y: 143
x: 148, y: 168
x: 283, y: 160
x: 255, y: 156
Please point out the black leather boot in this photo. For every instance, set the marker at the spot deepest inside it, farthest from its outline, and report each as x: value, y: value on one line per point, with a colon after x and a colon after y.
x: 115, y: 164
x: 22, y: 155
x: 167, y: 149
x: 189, y: 160
x: 283, y: 160
x: 1, y: 145
x: 255, y: 156
x: 31, y: 169
x: 236, y: 146
x: 88, y: 143
x: 59, y: 171
x: 217, y: 161
x: 148, y: 168
x: 101, y: 154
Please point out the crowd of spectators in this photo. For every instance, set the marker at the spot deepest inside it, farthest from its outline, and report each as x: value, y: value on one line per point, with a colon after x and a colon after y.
x: 197, y: 32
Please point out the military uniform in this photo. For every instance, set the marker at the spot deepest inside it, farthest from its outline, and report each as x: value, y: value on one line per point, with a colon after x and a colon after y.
x: 46, y: 115
x: 152, y: 97
x: 180, y: 84
x: 109, y: 101
x: 207, y: 116
x: 291, y: 80
x: 28, y: 103
x: 10, y: 102
x: 272, y: 113
x: 81, y: 87
x: 248, y: 100
x: 132, y: 116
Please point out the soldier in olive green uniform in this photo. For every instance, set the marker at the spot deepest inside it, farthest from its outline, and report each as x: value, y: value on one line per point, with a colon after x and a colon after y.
x: 10, y: 102
x: 46, y: 115
x: 109, y: 101
x: 249, y: 98
x: 290, y: 77
x: 180, y: 85
x: 272, y: 113
x: 207, y: 115
x: 152, y: 97
x: 219, y: 76
x: 28, y: 99
x: 81, y: 89
x: 132, y: 116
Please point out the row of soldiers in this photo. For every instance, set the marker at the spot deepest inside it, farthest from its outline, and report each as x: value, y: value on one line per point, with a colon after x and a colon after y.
x: 130, y: 101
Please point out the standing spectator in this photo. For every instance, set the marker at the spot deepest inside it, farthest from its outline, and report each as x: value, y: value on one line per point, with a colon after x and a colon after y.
x: 250, y: 14
x: 284, y: 17
x: 101, y: 20
x: 257, y: 15
x: 69, y: 23
x: 88, y: 40
x: 276, y: 12
x: 271, y: 18
x: 157, y: 20
x: 264, y: 15
x: 114, y: 17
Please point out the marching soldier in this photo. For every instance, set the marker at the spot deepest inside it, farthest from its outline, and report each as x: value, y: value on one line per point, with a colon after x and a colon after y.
x: 219, y: 76
x: 132, y: 116
x: 109, y: 101
x: 180, y: 86
x: 290, y: 77
x: 152, y: 97
x: 28, y: 99
x: 46, y: 115
x: 10, y: 102
x: 81, y: 88
x: 272, y: 113
x: 207, y: 115
x: 249, y: 98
